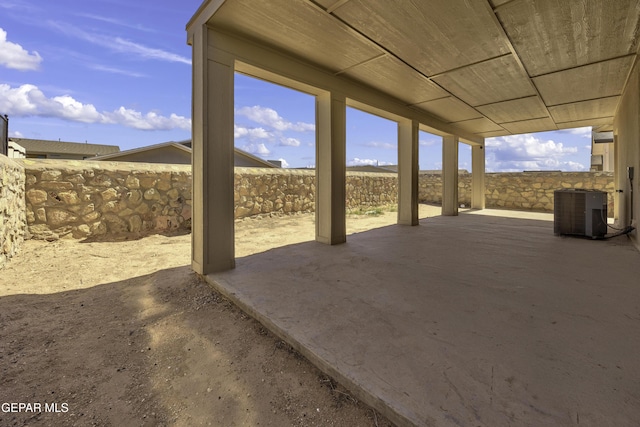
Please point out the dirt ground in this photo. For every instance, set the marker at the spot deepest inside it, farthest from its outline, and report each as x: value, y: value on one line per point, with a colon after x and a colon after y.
x: 121, y: 332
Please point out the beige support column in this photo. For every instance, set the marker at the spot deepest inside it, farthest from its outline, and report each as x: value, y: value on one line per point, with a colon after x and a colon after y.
x: 477, y: 176
x: 331, y: 136
x: 617, y: 197
x: 408, y: 172
x: 212, y: 230
x: 450, y: 175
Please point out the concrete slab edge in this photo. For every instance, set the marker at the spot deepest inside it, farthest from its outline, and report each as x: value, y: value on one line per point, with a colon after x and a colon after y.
x: 359, y: 391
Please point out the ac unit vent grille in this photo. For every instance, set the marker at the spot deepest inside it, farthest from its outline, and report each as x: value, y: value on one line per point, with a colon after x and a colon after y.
x: 580, y: 212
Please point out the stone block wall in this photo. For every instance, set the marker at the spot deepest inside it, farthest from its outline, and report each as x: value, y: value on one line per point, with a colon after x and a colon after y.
x: 12, y: 208
x: 285, y: 191
x: 366, y: 189
x: 79, y: 198
x: 269, y: 191
x: 519, y: 190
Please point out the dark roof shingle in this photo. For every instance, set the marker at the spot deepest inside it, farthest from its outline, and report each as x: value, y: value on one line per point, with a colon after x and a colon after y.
x: 61, y: 147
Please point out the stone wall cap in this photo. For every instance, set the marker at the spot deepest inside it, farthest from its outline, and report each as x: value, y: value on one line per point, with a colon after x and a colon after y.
x: 62, y: 164
x: 6, y: 161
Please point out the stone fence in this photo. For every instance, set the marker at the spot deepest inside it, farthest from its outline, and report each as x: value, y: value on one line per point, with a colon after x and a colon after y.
x: 265, y: 191
x: 12, y: 208
x: 519, y: 190
x: 79, y: 199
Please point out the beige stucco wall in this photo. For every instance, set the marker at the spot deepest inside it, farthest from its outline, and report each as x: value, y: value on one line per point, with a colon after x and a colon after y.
x: 627, y: 136
x: 12, y: 208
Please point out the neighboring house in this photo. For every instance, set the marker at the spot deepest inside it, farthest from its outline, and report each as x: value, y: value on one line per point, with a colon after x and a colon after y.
x: 180, y: 153
x: 602, y: 152
x: 44, y: 149
x: 167, y: 152
x: 373, y: 168
x: 16, y: 151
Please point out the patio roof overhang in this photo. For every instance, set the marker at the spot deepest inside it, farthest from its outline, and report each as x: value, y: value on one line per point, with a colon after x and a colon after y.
x: 484, y: 67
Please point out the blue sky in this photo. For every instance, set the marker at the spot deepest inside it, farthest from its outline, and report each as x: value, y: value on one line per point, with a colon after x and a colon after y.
x: 119, y: 72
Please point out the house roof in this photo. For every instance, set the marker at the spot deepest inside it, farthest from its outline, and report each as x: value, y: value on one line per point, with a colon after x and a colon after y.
x: 252, y: 158
x: 182, y: 146
x: 115, y: 156
x: 373, y: 168
x: 62, y: 147
x: 487, y: 67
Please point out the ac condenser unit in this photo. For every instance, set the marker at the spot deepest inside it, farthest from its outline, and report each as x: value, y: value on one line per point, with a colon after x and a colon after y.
x: 580, y: 212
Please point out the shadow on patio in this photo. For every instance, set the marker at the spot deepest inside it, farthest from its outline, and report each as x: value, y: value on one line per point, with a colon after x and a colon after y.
x: 468, y: 320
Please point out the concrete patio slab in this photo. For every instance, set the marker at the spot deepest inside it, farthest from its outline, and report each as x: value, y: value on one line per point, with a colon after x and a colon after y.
x: 474, y: 320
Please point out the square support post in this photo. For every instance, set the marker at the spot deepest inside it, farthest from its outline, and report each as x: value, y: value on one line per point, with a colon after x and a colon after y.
x: 477, y: 177
x: 212, y: 241
x: 450, y: 175
x: 408, y: 172
x: 331, y: 168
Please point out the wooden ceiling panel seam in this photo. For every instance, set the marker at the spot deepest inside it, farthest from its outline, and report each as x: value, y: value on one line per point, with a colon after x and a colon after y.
x: 471, y: 64
x: 600, y: 98
x: 502, y: 75
x: 336, y: 5
x: 384, y: 49
x: 234, y: 27
x: 586, y: 120
x: 366, y: 61
x: 584, y: 100
x: 613, y: 58
x: 415, y: 104
x: 506, y: 2
x: 520, y: 121
x: 508, y: 100
x: 513, y: 50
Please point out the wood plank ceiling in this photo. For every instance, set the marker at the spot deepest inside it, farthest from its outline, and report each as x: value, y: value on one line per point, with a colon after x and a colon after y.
x: 490, y: 67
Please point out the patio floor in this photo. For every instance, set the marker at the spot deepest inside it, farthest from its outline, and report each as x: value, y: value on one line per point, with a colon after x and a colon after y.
x: 476, y: 320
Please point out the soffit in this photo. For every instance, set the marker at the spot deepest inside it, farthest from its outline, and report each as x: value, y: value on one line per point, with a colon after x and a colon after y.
x: 552, y: 35
x: 449, y: 109
x: 394, y: 77
x: 491, y: 67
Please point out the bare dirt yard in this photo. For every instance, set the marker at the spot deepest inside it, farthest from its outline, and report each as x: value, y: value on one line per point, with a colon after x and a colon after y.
x: 121, y: 332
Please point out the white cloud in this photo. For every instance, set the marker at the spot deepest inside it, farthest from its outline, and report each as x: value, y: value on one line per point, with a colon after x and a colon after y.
x: 150, y: 121
x: 284, y: 163
x: 117, y: 22
x: 114, y: 70
x: 270, y: 117
x: 527, y: 152
x: 16, y: 134
x: 29, y: 100
x: 125, y: 46
x: 14, y: 56
x: 430, y: 142
x: 362, y: 162
x: 584, y: 132
x: 118, y: 44
x: 259, y: 149
x: 290, y: 142
x: 251, y: 133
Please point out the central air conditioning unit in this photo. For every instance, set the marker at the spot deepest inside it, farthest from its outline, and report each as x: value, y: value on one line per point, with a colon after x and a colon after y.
x: 580, y: 213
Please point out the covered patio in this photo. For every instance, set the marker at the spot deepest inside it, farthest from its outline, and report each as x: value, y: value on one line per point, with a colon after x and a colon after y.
x: 467, y: 319
x: 485, y: 319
